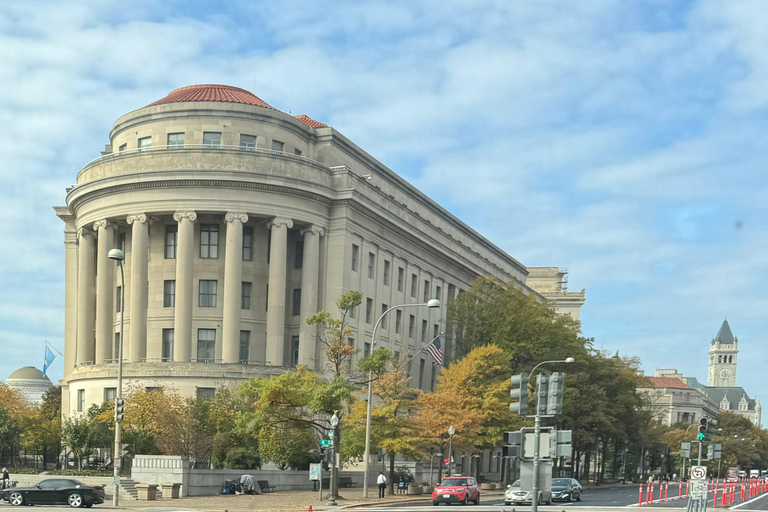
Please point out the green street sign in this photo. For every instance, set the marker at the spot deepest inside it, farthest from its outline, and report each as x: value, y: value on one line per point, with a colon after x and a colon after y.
x: 325, y: 443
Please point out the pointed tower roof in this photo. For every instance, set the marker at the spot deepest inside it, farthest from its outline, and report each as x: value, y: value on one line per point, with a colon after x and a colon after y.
x: 724, y: 335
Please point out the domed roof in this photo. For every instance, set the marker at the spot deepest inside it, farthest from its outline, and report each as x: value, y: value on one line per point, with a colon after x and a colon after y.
x: 28, y: 372
x: 212, y: 92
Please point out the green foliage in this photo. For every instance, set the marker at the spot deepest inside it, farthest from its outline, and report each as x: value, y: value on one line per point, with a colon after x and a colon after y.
x: 288, y: 447
x: 76, y: 434
x: 376, y: 362
x: 82, y: 472
x: 404, y: 473
x: 334, y: 333
x: 241, y: 458
x: 24, y: 471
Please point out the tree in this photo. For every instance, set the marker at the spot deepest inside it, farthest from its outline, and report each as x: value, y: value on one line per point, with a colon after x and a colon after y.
x: 76, y: 434
x: 288, y: 447
x: 334, y: 333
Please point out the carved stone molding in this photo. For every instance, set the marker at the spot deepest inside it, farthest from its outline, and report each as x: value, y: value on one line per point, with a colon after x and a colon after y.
x: 141, y: 218
x: 279, y: 222
x: 317, y: 230
x: 232, y: 216
x: 84, y: 232
x: 104, y: 224
x: 192, y: 216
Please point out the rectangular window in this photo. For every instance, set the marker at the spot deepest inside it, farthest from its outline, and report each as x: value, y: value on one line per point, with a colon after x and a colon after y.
x: 414, y: 281
x: 171, y: 238
x: 384, y: 321
x: 422, y: 364
x: 371, y: 264
x: 400, y: 278
x: 298, y: 257
x: 435, y: 331
x: 209, y: 241
x: 386, y: 273
x: 368, y: 310
x: 118, y: 299
x: 355, y: 254
x: 353, y: 312
x: 109, y: 394
x: 366, y: 349
x: 350, y: 343
x: 206, y: 393
x: 116, y: 347
x: 434, y: 376
x: 293, y: 359
x: 212, y: 139
x: 121, y: 241
x: 169, y: 293
x: 423, y: 331
x: 438, y: 293
x: 245, y: 296
x: 80, y: 400
x: 411, y: 325
x: 269, y: 247
x: 247, y: 141
x: 277, y: 145
x: 247, y: 243
x: 398, y: 321
x: 167, y: 353
x: 206, y: 297
x: 426, y: 290
x: 175, y: 140
x: 123, y: 147
x: 266, y: 299
x: 245, y: 346
x: 145, y: 143
x: 296, y: 301
x: 206, y: 345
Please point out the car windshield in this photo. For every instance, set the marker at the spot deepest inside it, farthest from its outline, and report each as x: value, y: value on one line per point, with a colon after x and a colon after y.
x: 516, y: 483
x: 454, y: 481
x: 561, y: 481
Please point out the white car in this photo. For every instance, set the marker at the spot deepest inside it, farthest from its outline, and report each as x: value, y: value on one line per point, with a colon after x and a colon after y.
x: 514, y: 494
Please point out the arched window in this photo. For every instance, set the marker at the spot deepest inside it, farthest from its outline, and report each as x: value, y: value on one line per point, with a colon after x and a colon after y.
x: 730, y: 359
x: 719, y: 359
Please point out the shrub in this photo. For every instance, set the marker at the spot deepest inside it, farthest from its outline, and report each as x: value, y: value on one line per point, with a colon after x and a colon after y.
x: 242, y: 458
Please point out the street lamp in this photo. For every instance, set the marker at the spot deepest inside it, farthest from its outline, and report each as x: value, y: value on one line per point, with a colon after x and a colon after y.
x: 118, y: 256
x: 537, y: 438
x: 334, y: 470
x: 451, y: 431
x: 470, y: 462
x: 431, y: 461
x: 432, y: 303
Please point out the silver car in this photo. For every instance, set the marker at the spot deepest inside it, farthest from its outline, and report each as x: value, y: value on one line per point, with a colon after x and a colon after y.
x: 514, y: 494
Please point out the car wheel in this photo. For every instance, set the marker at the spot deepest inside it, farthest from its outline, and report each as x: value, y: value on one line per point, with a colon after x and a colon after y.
x: 571, y: 497
x: 464, y: 501
x: 75, y: 500
x: 16, y: 499
x: 507, y: 502
x: 88, y: 505
x: 578, y: 498
x: 477, y: 500
x: 435, y: 503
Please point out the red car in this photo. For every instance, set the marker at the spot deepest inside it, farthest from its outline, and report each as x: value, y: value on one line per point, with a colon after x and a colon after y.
x: 456, y: 489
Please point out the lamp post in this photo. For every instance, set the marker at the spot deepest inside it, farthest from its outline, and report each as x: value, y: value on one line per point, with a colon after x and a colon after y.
x: 537, y: 438
x: 431, y: 462
x: 470, y: 462
x: 118, y: 256
x: 432, y: 303
x: 334, y: 470
x: 451, y: 431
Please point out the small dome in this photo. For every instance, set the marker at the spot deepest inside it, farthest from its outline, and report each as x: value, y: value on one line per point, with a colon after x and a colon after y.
x: 28, y: 372
x: 212, y: 92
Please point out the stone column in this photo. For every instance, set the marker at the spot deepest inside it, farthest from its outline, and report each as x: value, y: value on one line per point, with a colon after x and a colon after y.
x: 182, y: 320
x: 309, y: 277
x: 276, y: 298
x: 86, y: 295
x: 233, y: 279
x: 105, y: 291
x: 139, y: 276
x: 70, y: 297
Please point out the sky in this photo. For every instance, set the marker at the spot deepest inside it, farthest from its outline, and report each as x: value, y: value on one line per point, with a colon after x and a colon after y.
x: 624, y: 140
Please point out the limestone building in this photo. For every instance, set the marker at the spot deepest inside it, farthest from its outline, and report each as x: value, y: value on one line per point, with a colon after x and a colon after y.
x: 238, y: 221
x: 30, y: 382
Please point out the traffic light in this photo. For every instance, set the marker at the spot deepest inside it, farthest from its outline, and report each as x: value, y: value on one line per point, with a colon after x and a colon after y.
x: 703, y: 427
x: 542, y: 394
x: 519, y: 392
x: 119, y: 409
x: 711, y: 451
x: 712, y: 427
x: 555, y: 393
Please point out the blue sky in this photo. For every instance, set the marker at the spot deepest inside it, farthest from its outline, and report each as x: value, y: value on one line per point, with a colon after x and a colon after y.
x: 624, y: 140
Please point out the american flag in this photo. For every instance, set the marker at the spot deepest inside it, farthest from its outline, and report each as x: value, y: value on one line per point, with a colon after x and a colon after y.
x: 436, y: 351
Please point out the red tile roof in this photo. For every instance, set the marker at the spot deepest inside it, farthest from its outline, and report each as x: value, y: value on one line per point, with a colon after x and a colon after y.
x: 310, y: 122
x: 212, y: 92
x: 668, y: 382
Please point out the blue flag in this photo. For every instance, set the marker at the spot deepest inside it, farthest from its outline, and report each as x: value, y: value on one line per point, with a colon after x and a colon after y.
x: 49, y: 357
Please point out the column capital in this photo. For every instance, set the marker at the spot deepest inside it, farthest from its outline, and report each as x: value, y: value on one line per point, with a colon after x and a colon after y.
x: 233, y: 216
x: 316, y: 230
x: 192, y: 216
x: 141, y: 218
x: 279, y: 222
x: 85, y: 231
x: 104, y: 224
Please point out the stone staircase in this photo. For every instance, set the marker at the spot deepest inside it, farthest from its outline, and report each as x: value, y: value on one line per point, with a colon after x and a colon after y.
x: 128, y: 489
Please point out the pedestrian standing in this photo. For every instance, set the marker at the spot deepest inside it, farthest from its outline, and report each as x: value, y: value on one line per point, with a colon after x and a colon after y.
x: 382, y: 481
x: 6, y: 479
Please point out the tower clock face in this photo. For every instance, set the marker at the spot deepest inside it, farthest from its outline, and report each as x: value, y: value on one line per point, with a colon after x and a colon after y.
x: 725, y: 374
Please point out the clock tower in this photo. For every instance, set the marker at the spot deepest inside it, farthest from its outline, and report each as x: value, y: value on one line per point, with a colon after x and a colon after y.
x: 723, y: 350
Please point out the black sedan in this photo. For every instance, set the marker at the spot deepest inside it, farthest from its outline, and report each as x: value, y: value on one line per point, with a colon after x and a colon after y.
x: 566, y: 489
x: 55, y: 491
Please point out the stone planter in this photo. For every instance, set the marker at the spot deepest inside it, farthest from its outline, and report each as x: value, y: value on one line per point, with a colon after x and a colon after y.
x: 170, y: 490
x: 147, y: 492
x: 487, y: 487
x: 427, y: 489
x: 415, y: 489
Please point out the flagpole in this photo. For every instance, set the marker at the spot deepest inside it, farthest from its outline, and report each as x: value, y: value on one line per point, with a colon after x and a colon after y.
x: 52, y: 347
x: 420, y: 351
